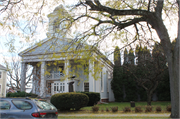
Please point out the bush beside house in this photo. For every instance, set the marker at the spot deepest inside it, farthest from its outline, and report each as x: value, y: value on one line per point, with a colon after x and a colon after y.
x: 67, y: 101
x: 94, y: 98
x: 21, y: 94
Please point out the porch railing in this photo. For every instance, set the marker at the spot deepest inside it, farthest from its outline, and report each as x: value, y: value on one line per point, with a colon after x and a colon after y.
x: 54, y: 76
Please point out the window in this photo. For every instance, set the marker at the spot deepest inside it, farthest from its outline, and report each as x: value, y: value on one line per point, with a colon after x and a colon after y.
x: 0, y: 74
x: 44, y: 105
x: 62, y: 87
x: 55, y: 86
x: 59, y: 87
x: 0, y: 88
x: 107, y: 81
x: 55, y: 25
x: 86, y: 87
x: 4, y: 105
x: 49, y: 87
x: 102, y: 81
x: 20, y: 104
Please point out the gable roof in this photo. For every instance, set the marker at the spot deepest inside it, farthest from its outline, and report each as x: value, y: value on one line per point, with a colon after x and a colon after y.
x: 47, y: 46
x: 58, y: 45
x: 2, y: 67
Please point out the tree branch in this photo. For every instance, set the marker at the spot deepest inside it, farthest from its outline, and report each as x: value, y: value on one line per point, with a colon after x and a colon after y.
x: 159, y: 7
x: 114, y: 12
x: 149, y: 5
x: 134, y: 21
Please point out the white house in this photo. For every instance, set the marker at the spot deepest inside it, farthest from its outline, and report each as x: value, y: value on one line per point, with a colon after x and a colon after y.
x: 3, y: 74
x: 62, y: 66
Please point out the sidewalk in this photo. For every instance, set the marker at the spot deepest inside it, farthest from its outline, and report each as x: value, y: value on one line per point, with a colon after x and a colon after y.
x: 115, y: 115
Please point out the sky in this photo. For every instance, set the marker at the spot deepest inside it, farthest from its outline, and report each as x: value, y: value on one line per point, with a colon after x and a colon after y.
x: 5, y: 38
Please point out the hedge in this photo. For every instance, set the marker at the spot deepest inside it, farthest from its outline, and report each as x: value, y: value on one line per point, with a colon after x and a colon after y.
x: 21, y: 94
x: 94, y: 98
x: 67, y: 101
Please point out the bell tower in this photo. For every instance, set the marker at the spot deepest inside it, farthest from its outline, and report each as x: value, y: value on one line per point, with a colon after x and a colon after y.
x: 57, y: 23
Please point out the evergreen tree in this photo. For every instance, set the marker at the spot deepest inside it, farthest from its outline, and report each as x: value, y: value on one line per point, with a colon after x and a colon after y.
x: 116, y: 83
x: 163, y: 88
x: 149, y: 70
x: 128, y: 82
x: 139, y: 82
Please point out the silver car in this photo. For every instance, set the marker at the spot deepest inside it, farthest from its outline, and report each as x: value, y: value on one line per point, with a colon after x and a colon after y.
x: 14, y: 108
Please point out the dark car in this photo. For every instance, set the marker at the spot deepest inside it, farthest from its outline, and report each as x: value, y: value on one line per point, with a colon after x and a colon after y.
x: 15, y: 108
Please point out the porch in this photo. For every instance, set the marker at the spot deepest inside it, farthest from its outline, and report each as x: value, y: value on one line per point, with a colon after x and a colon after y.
x: 55, y: 76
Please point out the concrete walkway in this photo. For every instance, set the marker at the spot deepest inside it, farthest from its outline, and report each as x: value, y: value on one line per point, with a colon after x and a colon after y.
x: 116, y: 115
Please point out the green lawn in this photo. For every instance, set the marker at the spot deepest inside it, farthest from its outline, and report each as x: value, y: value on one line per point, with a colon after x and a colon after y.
x: 90, y: 115
x: 121, y: 106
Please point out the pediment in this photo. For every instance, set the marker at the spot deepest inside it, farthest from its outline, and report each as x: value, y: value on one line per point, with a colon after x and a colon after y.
x: 54, y: 45
x: 47, y: 46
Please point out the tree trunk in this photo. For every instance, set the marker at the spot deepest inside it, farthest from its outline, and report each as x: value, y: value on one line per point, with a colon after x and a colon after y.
x: 149, y: 96
x: 173, y: 64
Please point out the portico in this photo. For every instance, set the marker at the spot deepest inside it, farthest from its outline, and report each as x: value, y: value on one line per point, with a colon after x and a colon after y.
x: 50, y: 78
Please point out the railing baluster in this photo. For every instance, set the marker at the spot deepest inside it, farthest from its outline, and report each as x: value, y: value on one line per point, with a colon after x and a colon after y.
x: 54, y: 76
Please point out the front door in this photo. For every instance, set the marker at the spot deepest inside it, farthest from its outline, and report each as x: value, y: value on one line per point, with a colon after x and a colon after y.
x: 58, y: 87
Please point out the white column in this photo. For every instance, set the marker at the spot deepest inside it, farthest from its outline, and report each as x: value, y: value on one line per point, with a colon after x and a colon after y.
x: 91, y: 76
x: 66, y: 75
x: 23, y: 75
x: 43, y: 81
x: 34, y: 80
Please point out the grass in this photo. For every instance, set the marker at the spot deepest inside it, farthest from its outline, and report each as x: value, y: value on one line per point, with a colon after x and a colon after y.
x: 128, y: 117
x: 122, y: 105
x: 87, y: 113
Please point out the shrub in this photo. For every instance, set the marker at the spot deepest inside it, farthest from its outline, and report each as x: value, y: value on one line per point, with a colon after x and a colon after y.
x: 138, y: 109
x: 102, y: 110
x: 32, y: 95
x: 107, y: 110
x: 127, y: 109
x: 93, y: 98
x: 66, y: 101
x: 21, y: 94
x: 168, y: 108
x: 148, y: 109
x: 158, y: 109
x: 114, y: 109
x: 95, y: 108
x: 8, y: 94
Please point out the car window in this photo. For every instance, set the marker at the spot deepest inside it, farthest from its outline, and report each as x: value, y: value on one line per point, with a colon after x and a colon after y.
x: 4, y: 105
x: 20, y: 104
x: 44, y: 105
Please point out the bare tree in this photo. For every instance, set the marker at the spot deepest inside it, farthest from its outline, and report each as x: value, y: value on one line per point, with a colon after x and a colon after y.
x: 13, y: 74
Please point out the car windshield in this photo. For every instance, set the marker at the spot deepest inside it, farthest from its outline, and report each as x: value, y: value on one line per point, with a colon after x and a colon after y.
x: 44, y: 105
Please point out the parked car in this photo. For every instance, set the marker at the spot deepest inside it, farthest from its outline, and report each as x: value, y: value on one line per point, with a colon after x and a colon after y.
x: 15, y: 108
